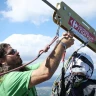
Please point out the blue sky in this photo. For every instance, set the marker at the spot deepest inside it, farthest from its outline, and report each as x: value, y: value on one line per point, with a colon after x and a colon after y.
x: 9, y: 27
x: 28, y: 26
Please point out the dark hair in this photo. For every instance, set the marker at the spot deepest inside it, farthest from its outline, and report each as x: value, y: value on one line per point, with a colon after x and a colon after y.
x: 4, y: 67
x: 2, y: 53
x: 2, y: 49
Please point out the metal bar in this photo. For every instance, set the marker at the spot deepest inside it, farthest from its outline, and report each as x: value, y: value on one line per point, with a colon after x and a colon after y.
x: 49, y: 4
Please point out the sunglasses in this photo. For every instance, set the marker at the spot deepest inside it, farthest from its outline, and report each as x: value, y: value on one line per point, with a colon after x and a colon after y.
x: 85, y: 60
x: 11, y: 52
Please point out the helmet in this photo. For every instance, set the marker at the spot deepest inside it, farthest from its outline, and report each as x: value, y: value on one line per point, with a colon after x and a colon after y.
x: 82, y: 63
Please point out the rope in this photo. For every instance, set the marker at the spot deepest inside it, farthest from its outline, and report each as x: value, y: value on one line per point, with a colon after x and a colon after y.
x: 39, y: 54
x: 65, y: 68
x: 62, y: 79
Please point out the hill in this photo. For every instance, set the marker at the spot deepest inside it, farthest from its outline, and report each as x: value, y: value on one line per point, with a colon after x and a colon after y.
x: 50, y: 82
x: 44, y: 89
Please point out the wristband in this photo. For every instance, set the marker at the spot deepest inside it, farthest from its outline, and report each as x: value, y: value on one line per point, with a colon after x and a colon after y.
x: 64, y: 45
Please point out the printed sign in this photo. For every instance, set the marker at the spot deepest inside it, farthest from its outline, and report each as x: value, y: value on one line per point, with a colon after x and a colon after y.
x: 79, y: 28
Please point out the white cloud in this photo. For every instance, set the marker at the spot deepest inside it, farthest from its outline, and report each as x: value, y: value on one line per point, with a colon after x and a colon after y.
x: 38, y: 12
x: 30, y: 44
